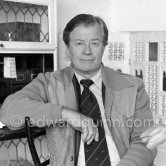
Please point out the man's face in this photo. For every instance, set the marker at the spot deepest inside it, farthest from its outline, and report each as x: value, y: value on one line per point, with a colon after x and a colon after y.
x: 86, y: 49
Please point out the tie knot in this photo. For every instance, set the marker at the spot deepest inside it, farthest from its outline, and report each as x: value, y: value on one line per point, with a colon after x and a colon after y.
x: 86, y: 82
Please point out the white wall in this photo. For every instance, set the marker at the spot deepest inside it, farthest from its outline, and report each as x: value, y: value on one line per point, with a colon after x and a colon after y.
x: 138, y: 15
x: 119, y: 15
x: 66, y: 9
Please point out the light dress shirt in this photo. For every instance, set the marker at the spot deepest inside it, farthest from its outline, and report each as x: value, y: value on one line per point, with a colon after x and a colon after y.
x: 96, y: 88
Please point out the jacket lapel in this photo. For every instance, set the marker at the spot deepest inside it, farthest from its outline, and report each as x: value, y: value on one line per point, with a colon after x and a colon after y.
x: 109, y: 98
x: 66, y: 76
x: 113, y: 82
x: 70, y: 98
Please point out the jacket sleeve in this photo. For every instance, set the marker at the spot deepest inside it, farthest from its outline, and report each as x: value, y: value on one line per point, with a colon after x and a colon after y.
x: 33, y: 101
x: 138, y: 154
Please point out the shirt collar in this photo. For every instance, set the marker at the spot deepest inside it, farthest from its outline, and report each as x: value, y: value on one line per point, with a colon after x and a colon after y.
x: 97, y: 78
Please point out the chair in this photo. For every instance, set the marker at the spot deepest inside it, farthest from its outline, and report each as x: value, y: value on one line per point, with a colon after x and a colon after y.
x: 31, y: 134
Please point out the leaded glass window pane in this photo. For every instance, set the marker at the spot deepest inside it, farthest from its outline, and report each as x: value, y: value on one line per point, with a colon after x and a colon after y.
x: 23, y: 22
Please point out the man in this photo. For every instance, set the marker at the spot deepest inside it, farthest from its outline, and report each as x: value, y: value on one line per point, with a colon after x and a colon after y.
x: 104, y: 112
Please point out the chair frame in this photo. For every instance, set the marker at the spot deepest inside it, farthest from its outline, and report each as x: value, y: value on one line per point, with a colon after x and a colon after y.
x: 31, y: 133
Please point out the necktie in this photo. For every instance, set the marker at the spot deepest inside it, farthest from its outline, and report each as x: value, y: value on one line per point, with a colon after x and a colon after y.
x: 96, y: 154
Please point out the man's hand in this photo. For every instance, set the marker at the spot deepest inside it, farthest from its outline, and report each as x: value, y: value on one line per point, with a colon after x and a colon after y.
x: 154, y: 136
x: 82, y: 123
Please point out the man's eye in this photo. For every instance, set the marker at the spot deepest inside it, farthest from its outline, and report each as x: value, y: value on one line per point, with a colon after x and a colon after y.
x: 79, y: 43
x: 95, y: 44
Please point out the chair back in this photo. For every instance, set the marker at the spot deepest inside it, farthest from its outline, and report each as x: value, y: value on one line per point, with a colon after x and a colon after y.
x: 32, y: 133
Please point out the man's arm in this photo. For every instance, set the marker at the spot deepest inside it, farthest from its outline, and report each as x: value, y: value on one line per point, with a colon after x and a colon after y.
x: 43, y: 101
x: 138, y: 154
x: 32, y: 101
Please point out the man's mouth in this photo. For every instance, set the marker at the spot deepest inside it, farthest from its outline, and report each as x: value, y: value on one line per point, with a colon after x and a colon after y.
x: 87, y: 60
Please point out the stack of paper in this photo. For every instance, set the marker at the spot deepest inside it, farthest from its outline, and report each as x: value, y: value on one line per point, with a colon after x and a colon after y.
x: 1, y: 125
x: 9, y: 67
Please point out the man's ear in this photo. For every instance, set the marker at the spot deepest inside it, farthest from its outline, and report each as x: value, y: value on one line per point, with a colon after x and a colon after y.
x: 67, y: 53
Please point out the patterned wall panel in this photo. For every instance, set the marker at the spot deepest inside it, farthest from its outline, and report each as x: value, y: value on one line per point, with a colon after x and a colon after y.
x: 163, y: 78
x: 154, y: 71
x: 163, y: 51
x: 139, y: 51
x: 116, y: 51
x: 152, y: 86
x: 163, y: 105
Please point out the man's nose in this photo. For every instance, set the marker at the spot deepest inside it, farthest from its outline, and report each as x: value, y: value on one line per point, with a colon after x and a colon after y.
x: 87, y: 49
